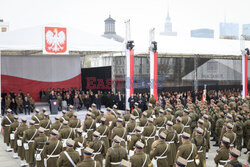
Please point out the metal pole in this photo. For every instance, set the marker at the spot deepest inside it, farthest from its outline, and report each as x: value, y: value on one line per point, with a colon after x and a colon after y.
x: 195, y: 73
x: 1, y: 77
x: 127, y: 57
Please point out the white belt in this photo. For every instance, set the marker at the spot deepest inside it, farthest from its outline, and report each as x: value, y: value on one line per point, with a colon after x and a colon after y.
x: 162, y: 157
x: 39, y: 149
x: 231, y: 145
x: 191, y: 160
x: 20, y: 137
x: 46, y: 129
x: 89, y: 129
x: 132, y: 133
x: 115, y: 163
x: 53, y: 156
x: 97, y: 153
x: 186, y: 126
x: 36, y: 124
x: 169, y: 142
x: 224, y: 161
x: 30, y: 141
x: 103, y: 136
x: 122, y: 139
x: 6, y: 125
x: 149, y: 137
x: 200, y: 151
x: 159, y: 128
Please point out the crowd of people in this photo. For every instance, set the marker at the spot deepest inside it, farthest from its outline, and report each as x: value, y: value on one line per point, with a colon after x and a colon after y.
x: 174, y: 130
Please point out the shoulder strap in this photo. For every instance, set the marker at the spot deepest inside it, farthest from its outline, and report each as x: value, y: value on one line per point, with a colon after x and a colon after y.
x: 152, y: 132
x: 54, y: 149
x: 69, y: 158
x: 91, y: 124
x: 191, y: 152
x: 164, y: 150
x: 8, y: 119
x: 47, y: 124
x: 94, y: 163
x: 137, y: 112
x: 106, y: 128
x: 37, y: 118
x: 123, y: 133
x: 113, y: 150
x: 33, y: 136
x: 77, y: 123
x: 60, y: 127
x: 145, y: 160
x: 70, y: 133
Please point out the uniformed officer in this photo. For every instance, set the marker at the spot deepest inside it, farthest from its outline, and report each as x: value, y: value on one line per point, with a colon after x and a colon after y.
x: 98, y: 146
x: 149, y: 134
x: 239, y: 131
x: 28, y: 140
x: 143, y: 120
x: 207, y: 126
x: 222, y: 154
x: 52, y: 150
x: 126, y: 116
x: 218, y: 127
x: 230, y: 134
x: 95, y: 112
x: 234, y: 154
x: 36, y: 117
x: 38, y: 147
x: 74, y: 122
x: 69, y: 157
x: 169, y: 116
x: 135, y: 138
x: 137, y: 111
x: 118, y: 115
x: 114, y: 111
x: 66, y: 133
x: 89, y: 126
x: 115, y: 154
x: 160, y: 151
x: 160, y: 121
x: 179, y: 128
x: 6, y: 122
x: 109, y: 117
x: 131, y: 126
x: 98, y: 118
x: 186, y: 121
x: 104, y: 131
x: 18, y: 138
x: 64, y: 116
x: 12, y: 130
x: 150, y: 110
x: 42, y: 113
x: 139, y: 158
x: 80, y: 142
x: 120, y: 131
x: 228, y: 120
x: 57, y: 125
x: 188, y: 155
x: 70, y: 112
x: 88, y: 161
x: 45, y: 123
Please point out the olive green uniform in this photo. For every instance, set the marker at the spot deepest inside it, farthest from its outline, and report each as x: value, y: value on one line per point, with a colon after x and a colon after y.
x: 89, y: 126
x: 139, y: 159
x: 200, y: 142
x: 45, y: 123
x: 63, y: 160
x: 104, y: 131
x: 222, y: 156
x: 99, y: 150
x: 159, y: 153
x: 19, y: 136
x: 121, y: 132
x: 115, y: 155
x: 39, y: 148
x: 185, y: 151
x: 149, y: 134
x: 88, y: 162
x: 12, y: 130
x: 6, y: 121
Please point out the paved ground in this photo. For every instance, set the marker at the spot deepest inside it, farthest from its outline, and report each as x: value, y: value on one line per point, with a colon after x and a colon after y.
x: 6, y: 159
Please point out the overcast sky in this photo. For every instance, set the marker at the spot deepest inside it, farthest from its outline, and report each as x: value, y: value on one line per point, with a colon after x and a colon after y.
x: 89, y: 15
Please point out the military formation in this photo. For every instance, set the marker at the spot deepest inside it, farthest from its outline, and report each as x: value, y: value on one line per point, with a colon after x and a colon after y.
x: 176, y: 135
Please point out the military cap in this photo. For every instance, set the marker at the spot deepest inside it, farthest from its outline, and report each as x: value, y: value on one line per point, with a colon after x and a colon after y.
x: 185, y: 135
x: 127, y: 109
x: 46, y: 114
x: 79, y: 130
x: 32, y: 122
x: 71, y: 107
x: 88, y: 151
x: 244, y: 105
x: 64, y: 111
x: 119, y: 112
x: 205, y: 116
x: 138, y: 129
x: 54, y: 132
x: 44, y: 109
x: 232, y: 98
x: 90, y: 109
x: 229, y: 116
x: 222, y: 114
x: 65, y: 122
x: 96, y: 134
x: 24, y: 119
x: 37, y: 110
x: 139, y: 145
x: 41, y: 130
x: 168, y: 109
x: 225, y: 140
x: 75, y: 114
x: 125, y: 163
x: 15, y: 116
x: 102, y: 111
x: 119, y: 120
x: 150, y: 120
x: 235, y: 153
x: 132, y: 117
x: 117, y: 139
x: 114, y: 106
x: 240, y: 117
x: 70, y: 143
x: 144, y: 113
x: 103, y: 119
x: 57, y: 117
x: 161, y: 111
x: 239, y: 97
x: 162, y: 135
x: 169, y: 123
x: 136, y: 104
x: 93, y: 105
x: 200, y: 121
x: 9, y: 110
x: 181, y: 162
x: 108, y: 109
x: 179, y: 119
x: 149, y: 104
x: 89, y: 114
x: 186, y: 110
x: 248, y: 97
x: 199, y: 130
x: 229, y: 126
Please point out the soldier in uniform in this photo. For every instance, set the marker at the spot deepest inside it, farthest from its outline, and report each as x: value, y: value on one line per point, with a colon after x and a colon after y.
x: 19, y: 102
x: 74, y: 122
x: 98, y: 118
x: 80, y: 142
x: 228, y: 120
x: 18, y: 138
x: 149, y: 134
x: 137, y: 111
x: 126, y: 116
x: 230, y: 134
x: 109, y: 117
x: 42, y: 113
x: 95, y: 112
x: 186, y: 121
x: 45, y: 123
x: 71, y: 112
x: 89, y: 126
x: 200, y: 141
x: 52, y: 150
x: 135, y: 138
x: 120, y: 131
x: 114, y: 111
x: 131, y: 126
x: 234, y: 154
x: 64, y: 116
x: 57, y: 125
x: 28, y: 140
x: 98, y: 146
x: 125, y: 163
x: 104, y: 131
x: 189, y: 155
x: 66, y: 133
x: 143, y: 120
x: 152, y: 101
x: 69, y: 157
x: 218, y: 127
x: 222, y: 154
x: 38, y: 147
x: 88, y: 161
x: 160, y: 121
x: 12, y: 130
x: 160, y: 151
x: 150, y: 110
x: 36, y: 117
x: 116, y: 153
x: 118, y: 115
x: 139, y: 158
x: 169, y: 116
x: 6, y: 122
x: 246, y: 130
x: 207, y: 126
x: 179, y: 128
x: 239, y: 131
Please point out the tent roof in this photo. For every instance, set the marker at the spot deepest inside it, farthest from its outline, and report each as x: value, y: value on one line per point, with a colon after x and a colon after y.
x: 31, y: 39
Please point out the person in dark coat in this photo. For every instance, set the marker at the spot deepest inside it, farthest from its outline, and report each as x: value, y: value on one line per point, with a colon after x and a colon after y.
x: 13, y: 106
x: 97, y: 101
x: 26, y: 105
x: 2, y: 106
x: 119, y: 101
x: 131, y: 101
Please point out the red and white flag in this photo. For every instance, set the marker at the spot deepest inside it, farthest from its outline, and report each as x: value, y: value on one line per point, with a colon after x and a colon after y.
x: 204, y: 95
x: 244, y: 75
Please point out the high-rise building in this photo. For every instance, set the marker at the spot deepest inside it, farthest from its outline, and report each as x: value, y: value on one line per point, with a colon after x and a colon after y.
x: 229, y: 30
x: 246, y: 31
x: 110, y: 30
x: 202, y: 33
x: 4, y: 27
x: 168, y: 27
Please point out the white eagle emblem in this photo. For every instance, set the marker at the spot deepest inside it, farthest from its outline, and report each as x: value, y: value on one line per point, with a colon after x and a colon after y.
x: 55, y: 40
